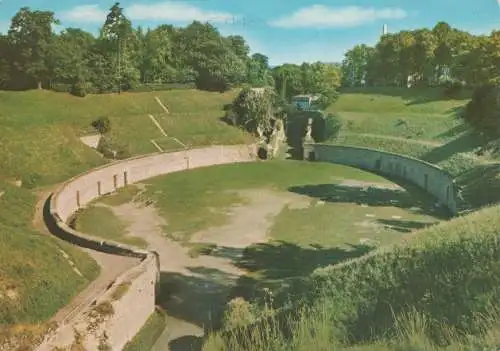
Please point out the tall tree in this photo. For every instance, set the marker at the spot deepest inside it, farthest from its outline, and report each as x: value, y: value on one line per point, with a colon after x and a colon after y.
x: 355, y: 65
x: 71, y: 54
x: 31, y: 36
x: 119, y: 43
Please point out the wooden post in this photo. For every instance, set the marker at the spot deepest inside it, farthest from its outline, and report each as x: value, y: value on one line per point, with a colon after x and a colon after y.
x: 78, y: 198
x: 115, y: 181
x: 125, y: 178
x: 99, y: 191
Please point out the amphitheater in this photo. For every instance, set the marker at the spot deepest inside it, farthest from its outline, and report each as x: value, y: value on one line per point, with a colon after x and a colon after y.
x: 140, y: 269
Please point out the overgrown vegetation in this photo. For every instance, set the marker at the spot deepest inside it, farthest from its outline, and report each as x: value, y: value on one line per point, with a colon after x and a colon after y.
x: 256, y: 109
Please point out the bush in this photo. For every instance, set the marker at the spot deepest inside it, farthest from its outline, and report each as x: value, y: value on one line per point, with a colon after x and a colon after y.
x: 326, y: 128
x: 113, y: 150
x: 79, y: 89
x: 102, y: 124
x: 483, y: 111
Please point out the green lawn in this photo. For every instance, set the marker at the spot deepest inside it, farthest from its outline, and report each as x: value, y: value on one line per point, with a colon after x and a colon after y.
x: 43, y: 125
x: 102, y: 222
x: 413, y: 122
x: 31, y: 290
x: 192, y: 201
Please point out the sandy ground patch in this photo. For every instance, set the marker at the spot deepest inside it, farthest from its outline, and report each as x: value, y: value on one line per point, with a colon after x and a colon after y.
x: 250, y: 222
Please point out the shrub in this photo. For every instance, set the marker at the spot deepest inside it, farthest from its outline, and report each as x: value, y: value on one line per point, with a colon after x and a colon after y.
x: 253, y: 108
x: 111, y: 149
x: 79, y: 89
x: 102, y: 124
x: 326, y: 128
x: 483, y: 111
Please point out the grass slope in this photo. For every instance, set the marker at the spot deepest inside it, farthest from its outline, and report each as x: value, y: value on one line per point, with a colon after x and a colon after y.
x: 440, y: 291
x: 42, y: 125
x: 36, y: 276
x: 39, y: 144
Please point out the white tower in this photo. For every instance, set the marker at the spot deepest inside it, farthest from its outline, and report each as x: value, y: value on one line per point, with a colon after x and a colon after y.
x: 384, y: 29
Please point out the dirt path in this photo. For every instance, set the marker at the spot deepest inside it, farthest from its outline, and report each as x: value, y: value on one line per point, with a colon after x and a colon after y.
x: 198, y: 287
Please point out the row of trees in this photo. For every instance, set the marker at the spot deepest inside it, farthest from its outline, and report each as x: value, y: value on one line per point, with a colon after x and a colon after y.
x: 121, y: 56
x: 425, y: 57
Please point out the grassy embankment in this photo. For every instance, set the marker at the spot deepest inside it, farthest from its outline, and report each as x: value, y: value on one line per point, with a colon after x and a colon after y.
x: 439, y: 291
x: 39, y: 146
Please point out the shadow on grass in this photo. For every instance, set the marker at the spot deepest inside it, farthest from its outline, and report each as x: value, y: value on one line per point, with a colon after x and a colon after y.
x: 369, y: 196
x: 282, y: 267
x: 186, y: 343
x: 194, y: 302
x: 464, y: 143
x: 404, y: 226
x: 481, y: 185
x: 415, y: 95
x: 453, y: 132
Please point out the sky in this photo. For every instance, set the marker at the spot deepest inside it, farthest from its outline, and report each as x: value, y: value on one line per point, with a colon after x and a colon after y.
x: 287, y: 31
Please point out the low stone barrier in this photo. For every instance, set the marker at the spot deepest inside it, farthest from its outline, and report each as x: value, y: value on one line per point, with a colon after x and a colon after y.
x: 426, y: 176
x: 140, y: 284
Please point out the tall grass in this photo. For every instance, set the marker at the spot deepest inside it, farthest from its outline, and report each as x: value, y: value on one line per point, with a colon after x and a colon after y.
x: 441, y: 289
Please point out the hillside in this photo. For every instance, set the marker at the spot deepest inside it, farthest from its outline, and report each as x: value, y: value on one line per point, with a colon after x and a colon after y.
x: 40, y: 146
x: 43, y: 125
x: 422, y: 124
x: 438, y: 291
x: 46, y: 126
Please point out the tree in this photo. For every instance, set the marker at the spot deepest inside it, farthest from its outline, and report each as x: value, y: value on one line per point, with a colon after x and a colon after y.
x: 118, y: 45
x: 31, y: 36
x: 258, y: 71
x: 212, y: 57
x: 71, y: 55
x: 355, y: 65
x: 256, y: 108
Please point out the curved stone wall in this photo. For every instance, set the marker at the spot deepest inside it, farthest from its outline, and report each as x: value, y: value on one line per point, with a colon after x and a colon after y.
x: 427, y: 176
x: 138, y: 302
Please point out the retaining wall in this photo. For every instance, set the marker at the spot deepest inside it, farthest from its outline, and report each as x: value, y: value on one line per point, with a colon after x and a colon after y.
x: 133, y: 309
x: 427, y: 176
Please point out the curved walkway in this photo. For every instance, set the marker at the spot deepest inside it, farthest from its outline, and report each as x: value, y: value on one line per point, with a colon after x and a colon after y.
x: 113, y: 265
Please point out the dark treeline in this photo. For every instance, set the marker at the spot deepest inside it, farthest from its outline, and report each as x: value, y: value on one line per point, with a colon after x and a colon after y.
x: 425, y: 57
x: 123, y: 57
